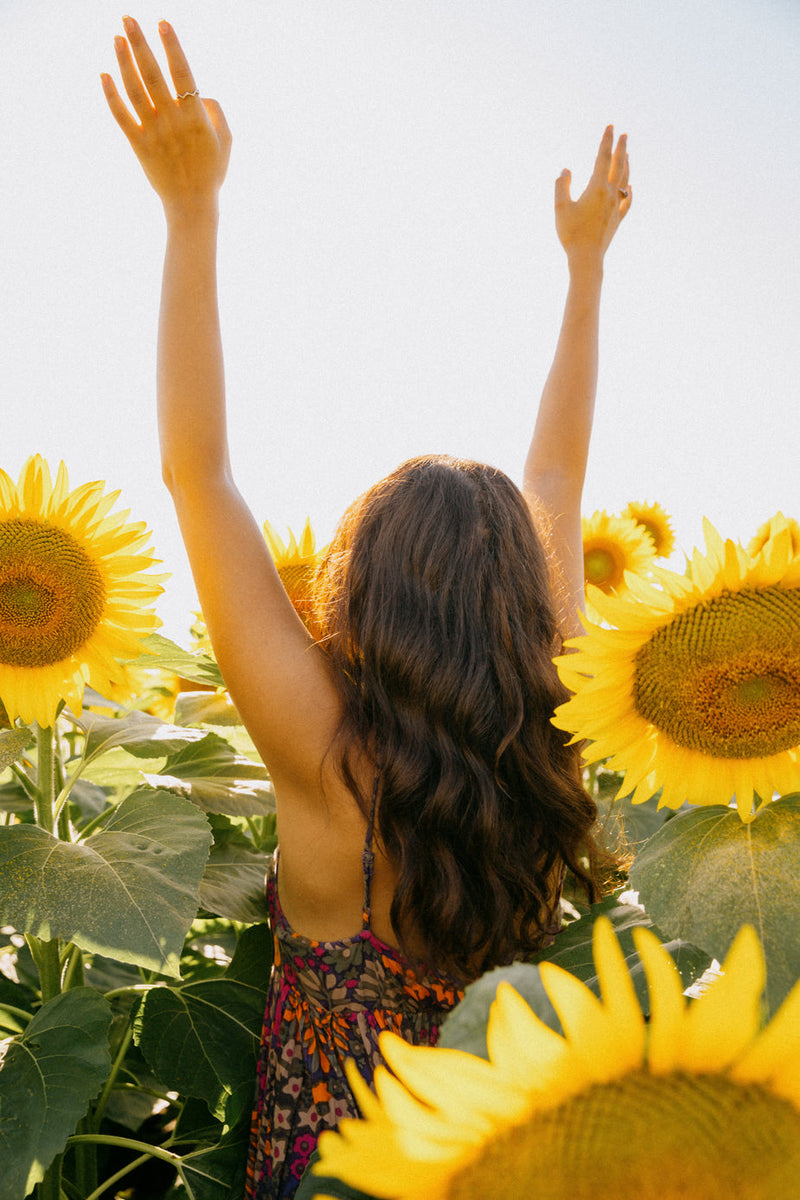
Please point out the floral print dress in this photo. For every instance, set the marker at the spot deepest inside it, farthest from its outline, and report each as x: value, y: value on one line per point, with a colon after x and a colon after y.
x: 327, y: 1003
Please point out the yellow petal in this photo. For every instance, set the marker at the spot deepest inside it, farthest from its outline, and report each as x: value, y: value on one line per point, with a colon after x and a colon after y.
x: 667, y: 1006
x: 526, y: 1051
x: 773, y: 1058
x: 722, y: 1022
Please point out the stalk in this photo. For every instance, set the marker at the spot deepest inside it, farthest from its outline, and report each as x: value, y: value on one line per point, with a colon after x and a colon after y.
x: 85, y: 1161
x: 100, y: 1107
x: 45, y: 797
x: 50, y: 1187
x: 146, y: 1151
x: 46, y: 954
x: 73, y: 973
x: 102, y: 1190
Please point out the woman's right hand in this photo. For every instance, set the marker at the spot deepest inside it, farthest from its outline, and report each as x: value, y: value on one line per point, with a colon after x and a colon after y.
x: 183, y: 144
x: 586, y: 226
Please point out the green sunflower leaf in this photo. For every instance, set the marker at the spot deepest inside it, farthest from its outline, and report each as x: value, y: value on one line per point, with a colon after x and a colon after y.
x: 13, y: 743
x: 706, y: 873
x: 202, y: 1040
x: 48, y: 1075
x: 14, y: 798
x: 217, y: 779
x: 205, y: 708
x: 465, y: 1027
x: 130, y: 891
x: 233, y: 882
x: 198, y: 668
x: 218, y: 1172
x: 252, y: 959
x: 572, y: 948
x: 138, y: 733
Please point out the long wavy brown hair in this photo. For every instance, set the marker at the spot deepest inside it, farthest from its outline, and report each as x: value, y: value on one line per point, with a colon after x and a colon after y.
x: 436, y: 601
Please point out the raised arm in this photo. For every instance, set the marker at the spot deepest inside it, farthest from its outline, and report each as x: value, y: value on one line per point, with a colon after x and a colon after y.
x: 278, y: 680
x: 556, y: 464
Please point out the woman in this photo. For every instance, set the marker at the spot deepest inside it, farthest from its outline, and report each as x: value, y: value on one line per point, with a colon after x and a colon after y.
x: 427, y: 808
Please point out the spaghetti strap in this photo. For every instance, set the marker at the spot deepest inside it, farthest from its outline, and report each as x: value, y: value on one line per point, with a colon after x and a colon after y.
x: 368, y: 857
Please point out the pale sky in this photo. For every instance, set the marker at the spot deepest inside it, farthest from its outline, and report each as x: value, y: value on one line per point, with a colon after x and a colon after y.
x: 390, y: 279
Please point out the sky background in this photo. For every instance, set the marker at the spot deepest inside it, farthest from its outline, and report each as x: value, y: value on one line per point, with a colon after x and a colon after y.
x: 390, y: 279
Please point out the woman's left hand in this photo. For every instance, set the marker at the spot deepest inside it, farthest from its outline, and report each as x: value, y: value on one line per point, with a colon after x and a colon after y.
x: 182, y: 141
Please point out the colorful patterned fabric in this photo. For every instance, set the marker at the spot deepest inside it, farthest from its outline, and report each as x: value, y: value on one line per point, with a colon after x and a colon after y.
x: 328, y: 1002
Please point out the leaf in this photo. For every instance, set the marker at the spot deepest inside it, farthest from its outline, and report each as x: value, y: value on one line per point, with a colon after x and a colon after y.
x: 14, y: 798
x: 465, y: 1027
x: 88, y: 800
x: 706, y: 873
x: 130, y: 891
x: 198, y: 668
x: 206, y: 708
x: 572, y: 948
x: 48, y: 1075
x: 116, y: 770
x: 218, y: 1172
x: 13, y: 744
x: 218, y: 780
x: 638, y: 821
x: 202, y: 1040
x: 140, y: 734
x: 252, y: 959
x: 233, y: 883
x: 15, y: 995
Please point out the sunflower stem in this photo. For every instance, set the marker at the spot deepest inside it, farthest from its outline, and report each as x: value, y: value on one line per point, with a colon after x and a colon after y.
x: 85, y: 1161
x: 102, y: 1190
x: 50, y: 1187
x: 48, y: 964
x: 45, y: 779
x: 73, y: 975
x: 28, y: 786
x: 108, y: 1087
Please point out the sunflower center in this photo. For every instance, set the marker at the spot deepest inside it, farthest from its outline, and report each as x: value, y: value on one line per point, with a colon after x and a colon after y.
x: 723, y: 678
x: 671, y: 1137
x: 52, y: 594
x: 602, y: 567
x: 297, y: 578
x: 653, y: 532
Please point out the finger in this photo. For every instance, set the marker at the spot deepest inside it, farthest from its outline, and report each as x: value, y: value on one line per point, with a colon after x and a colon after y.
x: 602, y: 164
x: 149, y: 69
x: 131, y: 79
x: 625, y: 201
x: 623, y: 182
x: 118, y: 108
x: 217, y: 118
x: 562, y: 187
x: 179, y: 68
x: 618, y: 161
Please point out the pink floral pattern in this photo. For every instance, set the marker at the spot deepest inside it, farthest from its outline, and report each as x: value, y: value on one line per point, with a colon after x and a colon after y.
x: 327, y: 1003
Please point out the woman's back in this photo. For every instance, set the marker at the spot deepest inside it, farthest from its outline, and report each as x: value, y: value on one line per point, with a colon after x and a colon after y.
x: 330, y: 998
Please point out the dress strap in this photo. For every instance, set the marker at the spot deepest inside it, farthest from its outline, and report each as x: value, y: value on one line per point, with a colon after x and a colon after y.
x: 368, y: 857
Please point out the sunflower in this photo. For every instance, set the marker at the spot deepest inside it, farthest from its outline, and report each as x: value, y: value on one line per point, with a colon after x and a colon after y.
x: 297, y: 565
x: 73, y: 596
x: 613, y: 546
x: 656, y: 523
x: 697, y: 689
x: 700, y: 1102
x: 772, y: 528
